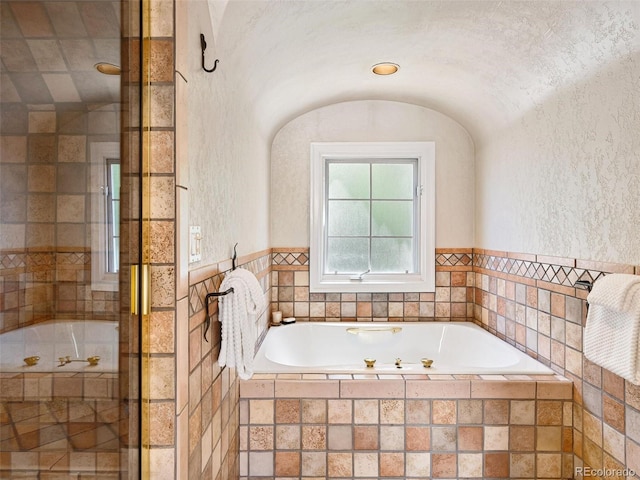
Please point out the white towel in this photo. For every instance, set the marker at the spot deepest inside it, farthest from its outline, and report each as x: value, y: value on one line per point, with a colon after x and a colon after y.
x: 615, y: 291
x: 238, y: 312
x: 612, y: 332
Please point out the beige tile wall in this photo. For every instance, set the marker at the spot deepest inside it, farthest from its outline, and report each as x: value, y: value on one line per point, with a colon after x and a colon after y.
x: 440, y: 426
x: 452, y: 299
x: 211, y: 396
x: 45, y: 256
x: 530, y: 302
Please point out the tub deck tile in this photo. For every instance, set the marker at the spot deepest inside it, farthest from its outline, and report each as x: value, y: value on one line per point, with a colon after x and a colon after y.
x: 257, y: 388
x: 307, y: 388
x: 372, y: 388
x: 439, y: 389
x: 505, y: 389
x: 560, y: 390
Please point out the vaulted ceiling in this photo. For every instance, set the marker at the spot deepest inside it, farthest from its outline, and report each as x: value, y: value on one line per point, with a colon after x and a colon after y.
x: 484, y: 63
x: 49, y: 49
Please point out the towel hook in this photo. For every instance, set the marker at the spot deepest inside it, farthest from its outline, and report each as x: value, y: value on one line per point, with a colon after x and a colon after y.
x: 203, y: 44
x: 234, y: 259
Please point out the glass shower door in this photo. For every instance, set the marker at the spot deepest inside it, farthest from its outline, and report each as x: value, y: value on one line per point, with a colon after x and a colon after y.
x: 69, y: 232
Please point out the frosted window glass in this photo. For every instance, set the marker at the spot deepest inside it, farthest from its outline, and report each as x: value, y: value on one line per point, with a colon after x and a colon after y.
x: 392, y: 181
x: 347, y: 255
x: 348, y: 180
x: 392, y: 218
x: 392, y: 255
x: 348, y: 218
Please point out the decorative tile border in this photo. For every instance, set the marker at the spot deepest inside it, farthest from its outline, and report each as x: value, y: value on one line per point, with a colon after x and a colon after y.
x: 300, y: 257
x: 552, y: 273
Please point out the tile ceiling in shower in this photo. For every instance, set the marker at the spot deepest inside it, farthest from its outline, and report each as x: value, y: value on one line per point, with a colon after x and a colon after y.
x: 49, y: 49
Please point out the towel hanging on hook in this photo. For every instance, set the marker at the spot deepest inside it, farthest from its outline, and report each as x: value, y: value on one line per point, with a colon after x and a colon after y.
x: 203, y: 44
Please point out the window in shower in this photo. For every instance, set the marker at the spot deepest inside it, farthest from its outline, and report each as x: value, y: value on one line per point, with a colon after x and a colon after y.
x: 105, y: 215
x: 372, y: 218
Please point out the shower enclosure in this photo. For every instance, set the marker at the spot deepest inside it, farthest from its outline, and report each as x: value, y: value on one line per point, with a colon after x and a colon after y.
x: 70, y: 226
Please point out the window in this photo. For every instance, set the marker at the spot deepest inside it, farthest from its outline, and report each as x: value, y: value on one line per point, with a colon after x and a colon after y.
x: 105, y: 215
x: 372, y: 217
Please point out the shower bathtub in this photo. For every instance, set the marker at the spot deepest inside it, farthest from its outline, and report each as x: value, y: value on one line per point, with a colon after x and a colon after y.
x: 75, y: 341
x: 397, y: 348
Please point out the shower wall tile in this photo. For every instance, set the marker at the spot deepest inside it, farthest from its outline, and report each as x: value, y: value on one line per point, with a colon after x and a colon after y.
x: 13, y: 149
x: 42, y: 122
x: 72, y: 148
x: 45, y: 184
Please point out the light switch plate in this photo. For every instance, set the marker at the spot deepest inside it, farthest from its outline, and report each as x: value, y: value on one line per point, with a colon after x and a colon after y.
x: 195, y: 244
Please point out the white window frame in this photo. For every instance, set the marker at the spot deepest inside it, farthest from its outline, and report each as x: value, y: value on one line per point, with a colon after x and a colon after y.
x: 101, y: 278
x: 423, y: 280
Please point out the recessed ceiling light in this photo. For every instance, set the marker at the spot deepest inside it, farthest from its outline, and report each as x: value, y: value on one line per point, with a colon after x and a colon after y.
x: 386, y: 68
x: 107, y: 68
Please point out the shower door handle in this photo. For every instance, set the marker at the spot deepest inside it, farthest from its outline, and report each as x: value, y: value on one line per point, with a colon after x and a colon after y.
x: 133, y: 283
x: 140, y: 289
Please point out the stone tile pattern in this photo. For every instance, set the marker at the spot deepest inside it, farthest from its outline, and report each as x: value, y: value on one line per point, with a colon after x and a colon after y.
x: 317, y: 426
x: 59, y: 424
x: 530, y: 302
x: 452, y: 300
x: 45, y: 193
x: 210, y: 420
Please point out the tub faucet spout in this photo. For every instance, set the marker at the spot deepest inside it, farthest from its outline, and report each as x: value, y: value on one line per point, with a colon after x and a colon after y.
x: 398, y: 362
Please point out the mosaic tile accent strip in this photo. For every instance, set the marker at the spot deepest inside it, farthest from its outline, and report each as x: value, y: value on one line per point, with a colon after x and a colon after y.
x: 442, y: 259
x: 290, y: 258
x: 454, y: 259
x: 558, y: 274
x: 13, y: 260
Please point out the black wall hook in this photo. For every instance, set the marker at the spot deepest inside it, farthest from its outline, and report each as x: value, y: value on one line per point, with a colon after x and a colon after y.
x: 203, y: 44
x: 234, y: 259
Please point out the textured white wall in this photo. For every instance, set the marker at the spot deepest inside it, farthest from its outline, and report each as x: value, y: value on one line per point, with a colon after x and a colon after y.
x: 372, y: 121
x: 565, y: 179
x: 227, y: 157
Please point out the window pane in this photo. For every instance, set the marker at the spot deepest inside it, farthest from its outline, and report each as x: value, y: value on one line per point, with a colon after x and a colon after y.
x: 392, y: 255
x: 115, y: 179
x: 348, y: 180
x: 347, y: 255
x: 348, y: 218
x: 390, y: 181
x: 392, y: 219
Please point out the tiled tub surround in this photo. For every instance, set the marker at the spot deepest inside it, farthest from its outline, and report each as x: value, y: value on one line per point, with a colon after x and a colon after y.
x: 465, y: 426
x: 529, y: 301
x: 59, y: 423
x: 452, y: 300
x: 208, y: 424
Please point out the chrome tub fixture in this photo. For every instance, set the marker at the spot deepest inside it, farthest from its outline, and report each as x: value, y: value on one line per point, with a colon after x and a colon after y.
x: 398, y: 362
x: 369, y: 362
x: 426, y: 362
x: 31, y: 361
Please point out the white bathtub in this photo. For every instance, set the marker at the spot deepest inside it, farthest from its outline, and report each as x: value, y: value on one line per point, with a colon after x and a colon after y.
x: 77, y: 339
x: 341, y: 347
